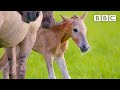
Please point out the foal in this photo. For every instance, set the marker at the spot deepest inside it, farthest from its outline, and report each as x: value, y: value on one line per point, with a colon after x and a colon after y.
x: 53, y: 43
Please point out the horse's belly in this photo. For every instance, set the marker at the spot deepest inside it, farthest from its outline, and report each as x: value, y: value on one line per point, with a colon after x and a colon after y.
x: 14, y: 36
x: 13, y: 31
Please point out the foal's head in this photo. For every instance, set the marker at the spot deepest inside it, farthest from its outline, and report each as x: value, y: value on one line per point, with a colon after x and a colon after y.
x: 29, y: 16
x: 77, y: 30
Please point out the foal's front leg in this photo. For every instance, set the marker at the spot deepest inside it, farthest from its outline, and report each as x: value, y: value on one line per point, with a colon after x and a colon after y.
x: 49, y: 64
x: 62, y: 66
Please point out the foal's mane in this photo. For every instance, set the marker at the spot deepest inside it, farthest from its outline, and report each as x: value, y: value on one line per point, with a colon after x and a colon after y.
x: 59, y: 25
x: 75, y: 17
x: 62, y: 24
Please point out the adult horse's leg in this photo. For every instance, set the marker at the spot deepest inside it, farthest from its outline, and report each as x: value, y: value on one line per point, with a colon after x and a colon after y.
x: 49, y: 63
x: 5, y: 71
x: 25, y: 47
x: 4, y: 66
x: 62, y: 66
x: 11, y: 52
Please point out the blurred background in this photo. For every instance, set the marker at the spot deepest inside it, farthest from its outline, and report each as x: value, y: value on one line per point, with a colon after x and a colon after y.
x: 101, y: 62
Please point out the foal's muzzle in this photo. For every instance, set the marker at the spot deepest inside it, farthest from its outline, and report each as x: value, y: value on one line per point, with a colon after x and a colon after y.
x: 84, y: 48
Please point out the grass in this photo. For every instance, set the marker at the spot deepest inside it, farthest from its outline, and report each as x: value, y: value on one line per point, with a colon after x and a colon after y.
x: 101, y: 62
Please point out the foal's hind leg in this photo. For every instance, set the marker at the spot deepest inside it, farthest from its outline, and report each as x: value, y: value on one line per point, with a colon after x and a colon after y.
x: 62, y: 66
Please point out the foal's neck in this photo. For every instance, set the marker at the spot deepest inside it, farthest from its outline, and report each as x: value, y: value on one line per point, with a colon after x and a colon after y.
x: 62, y: 32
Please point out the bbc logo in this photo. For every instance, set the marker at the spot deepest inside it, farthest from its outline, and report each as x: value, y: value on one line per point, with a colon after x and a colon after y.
x: 111, y: 18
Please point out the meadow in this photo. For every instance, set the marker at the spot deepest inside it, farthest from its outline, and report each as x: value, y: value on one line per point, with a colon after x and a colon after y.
x: 101, y: 62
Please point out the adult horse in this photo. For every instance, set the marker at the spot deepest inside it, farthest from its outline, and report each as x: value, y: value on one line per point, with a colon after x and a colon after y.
x: 13, y: 31
x: 29, y: 16
x: 47, y: 22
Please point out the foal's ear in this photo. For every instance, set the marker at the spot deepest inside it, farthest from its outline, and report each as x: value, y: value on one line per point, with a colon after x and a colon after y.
x: 84, y: 15
x: 65, y: 18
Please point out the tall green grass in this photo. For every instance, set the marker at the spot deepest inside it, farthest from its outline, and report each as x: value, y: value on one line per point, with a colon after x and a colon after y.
x: 101, y: 62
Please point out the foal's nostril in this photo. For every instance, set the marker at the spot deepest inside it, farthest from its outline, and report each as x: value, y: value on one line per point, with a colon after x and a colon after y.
x: 84, y: 46
x: 37, y: 14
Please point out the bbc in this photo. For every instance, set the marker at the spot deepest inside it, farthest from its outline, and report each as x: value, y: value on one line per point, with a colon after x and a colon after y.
x: 111, y: 18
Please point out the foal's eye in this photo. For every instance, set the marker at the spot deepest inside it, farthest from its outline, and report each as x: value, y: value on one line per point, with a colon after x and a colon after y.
x: 75, y: 30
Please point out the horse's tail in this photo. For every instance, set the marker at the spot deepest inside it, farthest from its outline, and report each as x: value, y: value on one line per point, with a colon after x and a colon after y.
x: 3, y: 61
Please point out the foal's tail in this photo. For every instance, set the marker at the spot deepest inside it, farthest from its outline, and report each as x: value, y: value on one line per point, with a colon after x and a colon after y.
x: 3, y: 61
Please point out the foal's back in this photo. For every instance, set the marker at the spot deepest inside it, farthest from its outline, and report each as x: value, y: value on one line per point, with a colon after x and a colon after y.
x: 49, y: 40
x: 44, y: 40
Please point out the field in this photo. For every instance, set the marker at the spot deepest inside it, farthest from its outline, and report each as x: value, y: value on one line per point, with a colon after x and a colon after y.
x: 101, y: 62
